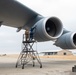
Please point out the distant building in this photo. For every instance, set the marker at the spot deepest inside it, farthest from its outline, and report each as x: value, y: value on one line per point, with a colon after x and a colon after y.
x: 61, y: 52
x: 65, y: 52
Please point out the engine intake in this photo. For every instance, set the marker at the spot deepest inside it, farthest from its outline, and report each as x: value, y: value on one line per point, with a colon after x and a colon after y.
x: 48, y: 29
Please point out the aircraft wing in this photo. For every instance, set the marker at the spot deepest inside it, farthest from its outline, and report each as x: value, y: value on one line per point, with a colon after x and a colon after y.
x: 14, y: 14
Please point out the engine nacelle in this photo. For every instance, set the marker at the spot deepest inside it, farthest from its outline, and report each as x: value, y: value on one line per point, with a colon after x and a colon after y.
x: 67, y: 41
x: 48, y: 29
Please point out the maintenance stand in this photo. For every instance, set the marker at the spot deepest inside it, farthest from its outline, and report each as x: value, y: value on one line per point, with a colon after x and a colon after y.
x: 28, y: 53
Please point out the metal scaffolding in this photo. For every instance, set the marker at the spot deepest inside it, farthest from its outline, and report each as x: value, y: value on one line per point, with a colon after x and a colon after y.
x: 28, y: 54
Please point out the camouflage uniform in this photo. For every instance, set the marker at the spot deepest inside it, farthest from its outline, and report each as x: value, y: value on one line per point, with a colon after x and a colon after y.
x: 27, y: 34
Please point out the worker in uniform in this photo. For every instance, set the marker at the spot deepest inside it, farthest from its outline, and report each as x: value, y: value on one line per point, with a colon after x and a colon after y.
x: 32, y: 32
x: 27, y: 33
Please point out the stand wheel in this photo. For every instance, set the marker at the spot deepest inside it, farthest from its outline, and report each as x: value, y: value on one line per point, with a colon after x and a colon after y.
x: 23, y: 66
x: 16, y: 66
x: 33, y: 65
x: 40, y: 66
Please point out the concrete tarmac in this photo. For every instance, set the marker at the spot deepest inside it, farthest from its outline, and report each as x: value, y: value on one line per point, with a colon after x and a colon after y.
x: 50, y: 67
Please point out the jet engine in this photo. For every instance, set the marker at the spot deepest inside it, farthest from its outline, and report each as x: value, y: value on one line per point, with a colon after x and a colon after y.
x: 67, y: 41
x: 48, y: 29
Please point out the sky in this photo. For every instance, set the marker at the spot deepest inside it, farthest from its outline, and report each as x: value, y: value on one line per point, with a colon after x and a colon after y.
x: 65, y: 10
